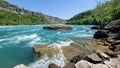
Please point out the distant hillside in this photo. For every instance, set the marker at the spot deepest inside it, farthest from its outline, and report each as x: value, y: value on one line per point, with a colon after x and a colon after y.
x: 13, y: 15
x: 101, y: 15
x: 55, y: 19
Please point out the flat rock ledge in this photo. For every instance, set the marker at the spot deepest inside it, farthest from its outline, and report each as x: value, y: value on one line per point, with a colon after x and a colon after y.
x: 57, y: 27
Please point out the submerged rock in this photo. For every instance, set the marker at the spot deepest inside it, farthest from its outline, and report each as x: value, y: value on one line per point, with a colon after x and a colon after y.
x: 45, y: 49
x: 57, y: 27
x: 100, y: 34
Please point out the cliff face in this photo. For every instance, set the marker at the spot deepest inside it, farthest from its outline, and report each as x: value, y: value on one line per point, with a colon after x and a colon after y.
x: 15, y: 9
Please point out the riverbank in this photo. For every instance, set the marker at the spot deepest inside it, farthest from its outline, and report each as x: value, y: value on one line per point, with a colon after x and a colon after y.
x: 104, y: 52
x: 95, y: 53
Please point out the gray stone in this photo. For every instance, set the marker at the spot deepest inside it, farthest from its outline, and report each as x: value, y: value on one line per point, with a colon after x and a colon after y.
x: 52, y: 65
x: 94, y: 58
x: 69, y: 65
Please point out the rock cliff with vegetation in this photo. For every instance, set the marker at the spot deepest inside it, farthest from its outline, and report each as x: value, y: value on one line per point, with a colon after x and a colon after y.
x: 13, y: 15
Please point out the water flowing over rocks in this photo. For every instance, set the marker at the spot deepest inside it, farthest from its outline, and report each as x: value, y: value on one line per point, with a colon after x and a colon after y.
x: 102, y: 52
x: 57, y: 27
x: 73, y: 53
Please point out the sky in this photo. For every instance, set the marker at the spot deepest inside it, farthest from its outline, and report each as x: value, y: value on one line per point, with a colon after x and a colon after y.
x: 64, y: 9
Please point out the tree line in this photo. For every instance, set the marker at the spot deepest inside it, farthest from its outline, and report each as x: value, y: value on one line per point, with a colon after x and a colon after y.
x: 101, y: 15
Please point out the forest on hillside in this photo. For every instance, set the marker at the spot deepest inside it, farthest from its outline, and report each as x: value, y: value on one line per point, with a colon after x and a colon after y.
x: 101, y: 15
x: 13, y: 15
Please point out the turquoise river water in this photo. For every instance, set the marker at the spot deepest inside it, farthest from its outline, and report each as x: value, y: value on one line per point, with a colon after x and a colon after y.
x: 16, y: 42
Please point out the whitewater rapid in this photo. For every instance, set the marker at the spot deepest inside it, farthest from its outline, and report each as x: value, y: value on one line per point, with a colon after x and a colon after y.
x: 16, y: 43
x: 58, y: 59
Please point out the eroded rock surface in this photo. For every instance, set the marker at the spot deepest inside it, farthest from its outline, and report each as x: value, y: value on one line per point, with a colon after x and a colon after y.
x: 58, y: 27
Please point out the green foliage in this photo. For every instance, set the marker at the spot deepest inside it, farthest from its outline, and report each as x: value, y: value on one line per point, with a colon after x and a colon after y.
x: 101, y: 15
x: 11, y: 18
x: 13, y: 15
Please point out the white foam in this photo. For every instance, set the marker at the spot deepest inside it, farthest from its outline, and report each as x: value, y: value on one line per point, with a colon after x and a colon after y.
x: 60, y: 44
x: 23, y: 38
x: 35, y: 41
x: 57, y: 59
x: 19, y: 38
x: 58, y: 33
x: 2, y: 40
x: 84, y: 35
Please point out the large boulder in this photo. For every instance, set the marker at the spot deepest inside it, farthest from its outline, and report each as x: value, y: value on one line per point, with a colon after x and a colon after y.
x: 57, y: 27
x: 113, y: 26
x: 100, y: 34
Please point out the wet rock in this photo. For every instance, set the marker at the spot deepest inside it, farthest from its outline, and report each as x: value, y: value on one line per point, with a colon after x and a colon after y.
x: 94, y: 58
x: 21, y: 66
x: 46, y: 49
x: 112, y: 55
x: 113, y: 26
x: 110, y: 40
x: 117, y: 37
x: 52, y: 65
x: 104, y: 56
x: 107, y: 43
x: 97, y: 27
x: 116, y: 45
x: 58, y: 27
x: 69, y: 52
x: 76, y: 59
x: 100, y: 34
x: 69, y: 65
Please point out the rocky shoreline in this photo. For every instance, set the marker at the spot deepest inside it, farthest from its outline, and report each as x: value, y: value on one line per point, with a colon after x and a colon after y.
x: 101, y: 52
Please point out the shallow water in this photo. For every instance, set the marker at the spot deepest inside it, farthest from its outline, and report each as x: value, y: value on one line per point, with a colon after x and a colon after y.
x: 16, y: 42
